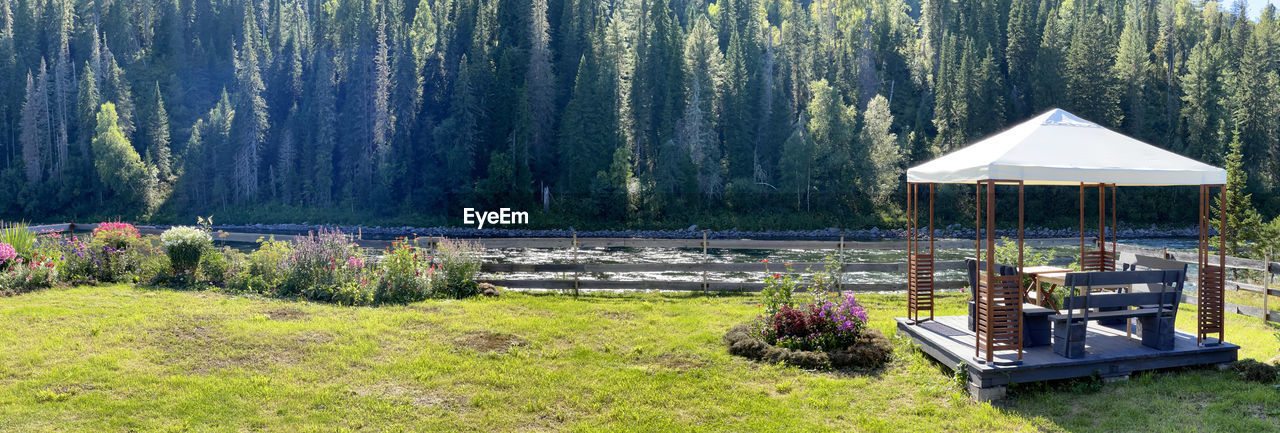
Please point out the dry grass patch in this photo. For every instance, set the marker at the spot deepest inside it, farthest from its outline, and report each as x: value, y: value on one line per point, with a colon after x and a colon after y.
x: 411, y: 395
x: 487, y: 341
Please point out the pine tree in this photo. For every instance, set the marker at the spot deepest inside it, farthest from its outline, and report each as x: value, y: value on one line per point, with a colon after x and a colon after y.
x: 87, y: 102
x: 1024, y: 38
x: 589, y: 129
x: 1201, y: 86
x: 459, y: 134
x: 250, y: 123
x: 1132, y: 62
x: 324, y: 110
x: 1243, y: 223
x: 540, y: 92
x: 117, y: 90
x: 1091, y: 89
x: 35, y: 137
x: 1050, y: 61
x: 158, y: 138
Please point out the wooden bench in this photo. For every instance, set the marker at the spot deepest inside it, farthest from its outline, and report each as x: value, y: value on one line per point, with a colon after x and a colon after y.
x: 1035, y: 319
x: 1155, y: 310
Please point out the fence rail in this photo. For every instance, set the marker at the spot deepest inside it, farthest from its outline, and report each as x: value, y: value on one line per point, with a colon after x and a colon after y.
x: 567, y: 282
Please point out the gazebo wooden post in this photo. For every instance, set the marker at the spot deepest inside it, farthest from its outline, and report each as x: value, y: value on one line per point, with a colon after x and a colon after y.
x: 1211, y: 280
x: 931, y: 252
x: 998, y: 310
x: 1081, y: 225
x: 977, y: 268
x: 919, y: 265
x: 911, y: 226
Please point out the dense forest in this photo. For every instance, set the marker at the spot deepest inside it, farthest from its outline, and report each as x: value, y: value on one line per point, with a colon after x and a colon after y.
x: 617, y: 112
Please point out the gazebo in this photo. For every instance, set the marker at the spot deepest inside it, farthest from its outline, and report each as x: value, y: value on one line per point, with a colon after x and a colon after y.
x: 1053, y: 148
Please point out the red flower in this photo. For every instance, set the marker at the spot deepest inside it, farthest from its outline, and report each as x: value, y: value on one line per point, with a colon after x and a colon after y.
x: 777, y: 276
x: 788, y: 264
x: 764, y: 261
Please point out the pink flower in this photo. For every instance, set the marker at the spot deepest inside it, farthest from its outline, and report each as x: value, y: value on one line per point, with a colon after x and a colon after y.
x: 7, y: 252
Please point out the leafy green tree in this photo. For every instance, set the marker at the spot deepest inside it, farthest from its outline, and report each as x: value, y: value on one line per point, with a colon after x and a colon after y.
x: 886, y: 155
x: 119, y: 167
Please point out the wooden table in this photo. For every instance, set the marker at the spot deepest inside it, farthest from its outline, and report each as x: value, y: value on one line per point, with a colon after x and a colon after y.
x: 1055, y: 279
x: 1035, y: 272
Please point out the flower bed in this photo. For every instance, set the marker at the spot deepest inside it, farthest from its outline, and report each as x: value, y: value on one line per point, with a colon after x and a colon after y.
x: 325, y: 266
x: 829, y: 332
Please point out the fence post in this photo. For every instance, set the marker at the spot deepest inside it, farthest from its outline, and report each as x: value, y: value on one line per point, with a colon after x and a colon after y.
x: 705, y: 260
x: 1266, y: 287
x: 575, y: 263
x: 840, y: 272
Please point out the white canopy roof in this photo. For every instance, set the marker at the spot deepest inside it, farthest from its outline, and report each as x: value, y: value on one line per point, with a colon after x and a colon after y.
x: 1058, y: 148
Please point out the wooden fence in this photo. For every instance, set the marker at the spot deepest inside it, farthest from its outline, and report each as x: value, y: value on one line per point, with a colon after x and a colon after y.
x: 1267, y: 267
x: 569, y: 276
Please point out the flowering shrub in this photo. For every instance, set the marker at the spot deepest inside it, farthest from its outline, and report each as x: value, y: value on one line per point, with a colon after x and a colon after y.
x: 823, y: 325
x: 320, y: 267
x: 184, y: 246
x: 116, y: 235
x: 265, y: 266
x: 459, y: 262
x: 23, y: 276
x: 778, y: 289
x: 7, y: 254
x: 404, y: 275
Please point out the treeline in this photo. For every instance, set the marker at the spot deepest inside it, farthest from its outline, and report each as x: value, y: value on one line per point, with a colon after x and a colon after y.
x: 636, y: 111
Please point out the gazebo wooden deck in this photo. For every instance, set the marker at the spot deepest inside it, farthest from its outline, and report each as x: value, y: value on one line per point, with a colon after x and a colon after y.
x: 1005, y: 339
x: 1109, y: 353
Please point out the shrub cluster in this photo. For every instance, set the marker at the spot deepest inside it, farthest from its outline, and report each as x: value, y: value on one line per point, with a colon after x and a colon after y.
x: 822, y: 324
x: 870, y: 350
x: 1255, y: 371
x: 829, y: 332
x: 185, y: 246
x: 324, y: 266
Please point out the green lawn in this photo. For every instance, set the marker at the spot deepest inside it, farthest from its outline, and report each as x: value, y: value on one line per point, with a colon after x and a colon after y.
x: 121, y: 358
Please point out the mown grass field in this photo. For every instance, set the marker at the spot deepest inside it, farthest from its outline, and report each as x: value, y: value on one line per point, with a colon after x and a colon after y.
x: 119, y: 358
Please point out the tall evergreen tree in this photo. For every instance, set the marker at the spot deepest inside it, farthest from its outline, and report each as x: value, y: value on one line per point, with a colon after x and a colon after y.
x: 250, y: 124
x: 158, y: 138
x: 540, y: 91
x: 36, y: 140
x: 1091, y: 89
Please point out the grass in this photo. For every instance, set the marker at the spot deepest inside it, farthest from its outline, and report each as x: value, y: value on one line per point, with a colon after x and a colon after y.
x: 115, y: 358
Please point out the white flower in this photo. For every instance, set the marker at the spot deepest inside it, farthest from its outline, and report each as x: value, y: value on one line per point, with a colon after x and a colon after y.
x: 185, y: 236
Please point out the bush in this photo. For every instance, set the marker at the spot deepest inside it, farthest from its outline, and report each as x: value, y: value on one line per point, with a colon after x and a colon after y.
x: 266, y: 265
x: 823, y: 325
x: 116, y: 235
x: 25, y: 276
x: 871, y: 349
x: 777, y: 291
x: 459, y: 262
x: 184, y: 246
x: 1255, y: 371
x: 326, y: 266
x: 404, y: 275
x: 214, y: 267
x: 7, y: 255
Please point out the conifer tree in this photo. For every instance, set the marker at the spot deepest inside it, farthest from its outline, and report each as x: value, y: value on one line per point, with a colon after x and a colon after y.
x: 158, y: 138
x: 35, y: 128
